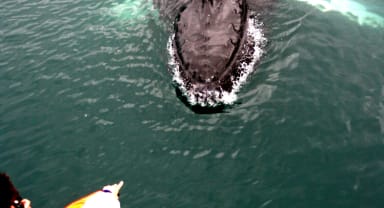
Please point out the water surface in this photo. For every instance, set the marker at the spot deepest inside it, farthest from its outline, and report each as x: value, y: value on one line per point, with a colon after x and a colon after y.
x: 86, y: 99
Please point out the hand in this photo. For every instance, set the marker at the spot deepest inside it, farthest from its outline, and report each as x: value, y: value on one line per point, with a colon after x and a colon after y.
x: 114, y: 189
x: 26, y: 203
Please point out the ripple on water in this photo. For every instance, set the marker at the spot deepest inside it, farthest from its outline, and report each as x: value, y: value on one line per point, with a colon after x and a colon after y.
x: 82, y: 92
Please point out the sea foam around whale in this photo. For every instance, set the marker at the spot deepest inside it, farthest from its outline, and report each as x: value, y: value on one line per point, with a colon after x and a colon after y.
x: 251, y: 52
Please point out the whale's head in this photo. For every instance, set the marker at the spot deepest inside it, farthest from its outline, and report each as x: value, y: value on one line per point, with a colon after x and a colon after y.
x: 213, y: 48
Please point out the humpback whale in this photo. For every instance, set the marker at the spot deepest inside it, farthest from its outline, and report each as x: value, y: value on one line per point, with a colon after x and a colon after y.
x: 214, y: 47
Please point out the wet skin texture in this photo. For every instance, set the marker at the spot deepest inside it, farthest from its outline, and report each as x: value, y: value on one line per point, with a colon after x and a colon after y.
x: 208, y: 37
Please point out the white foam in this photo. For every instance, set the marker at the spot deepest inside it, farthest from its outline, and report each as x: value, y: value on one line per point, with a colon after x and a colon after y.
x: 217, y: 97
x: 354, y: 10
x: 133, y: 10
x: 256, y: 33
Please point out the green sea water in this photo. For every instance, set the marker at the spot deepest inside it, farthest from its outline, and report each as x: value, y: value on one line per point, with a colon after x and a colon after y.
x: 86, y: 99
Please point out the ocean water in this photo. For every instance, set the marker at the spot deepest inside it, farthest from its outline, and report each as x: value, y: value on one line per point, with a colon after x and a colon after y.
x: 86, y: 99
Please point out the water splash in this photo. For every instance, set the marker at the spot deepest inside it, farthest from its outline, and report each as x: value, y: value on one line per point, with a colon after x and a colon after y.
x: 355, y: 11
x: 133, y: 10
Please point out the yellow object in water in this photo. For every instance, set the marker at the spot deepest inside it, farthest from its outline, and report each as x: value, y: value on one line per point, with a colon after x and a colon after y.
x: 98, y: 199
